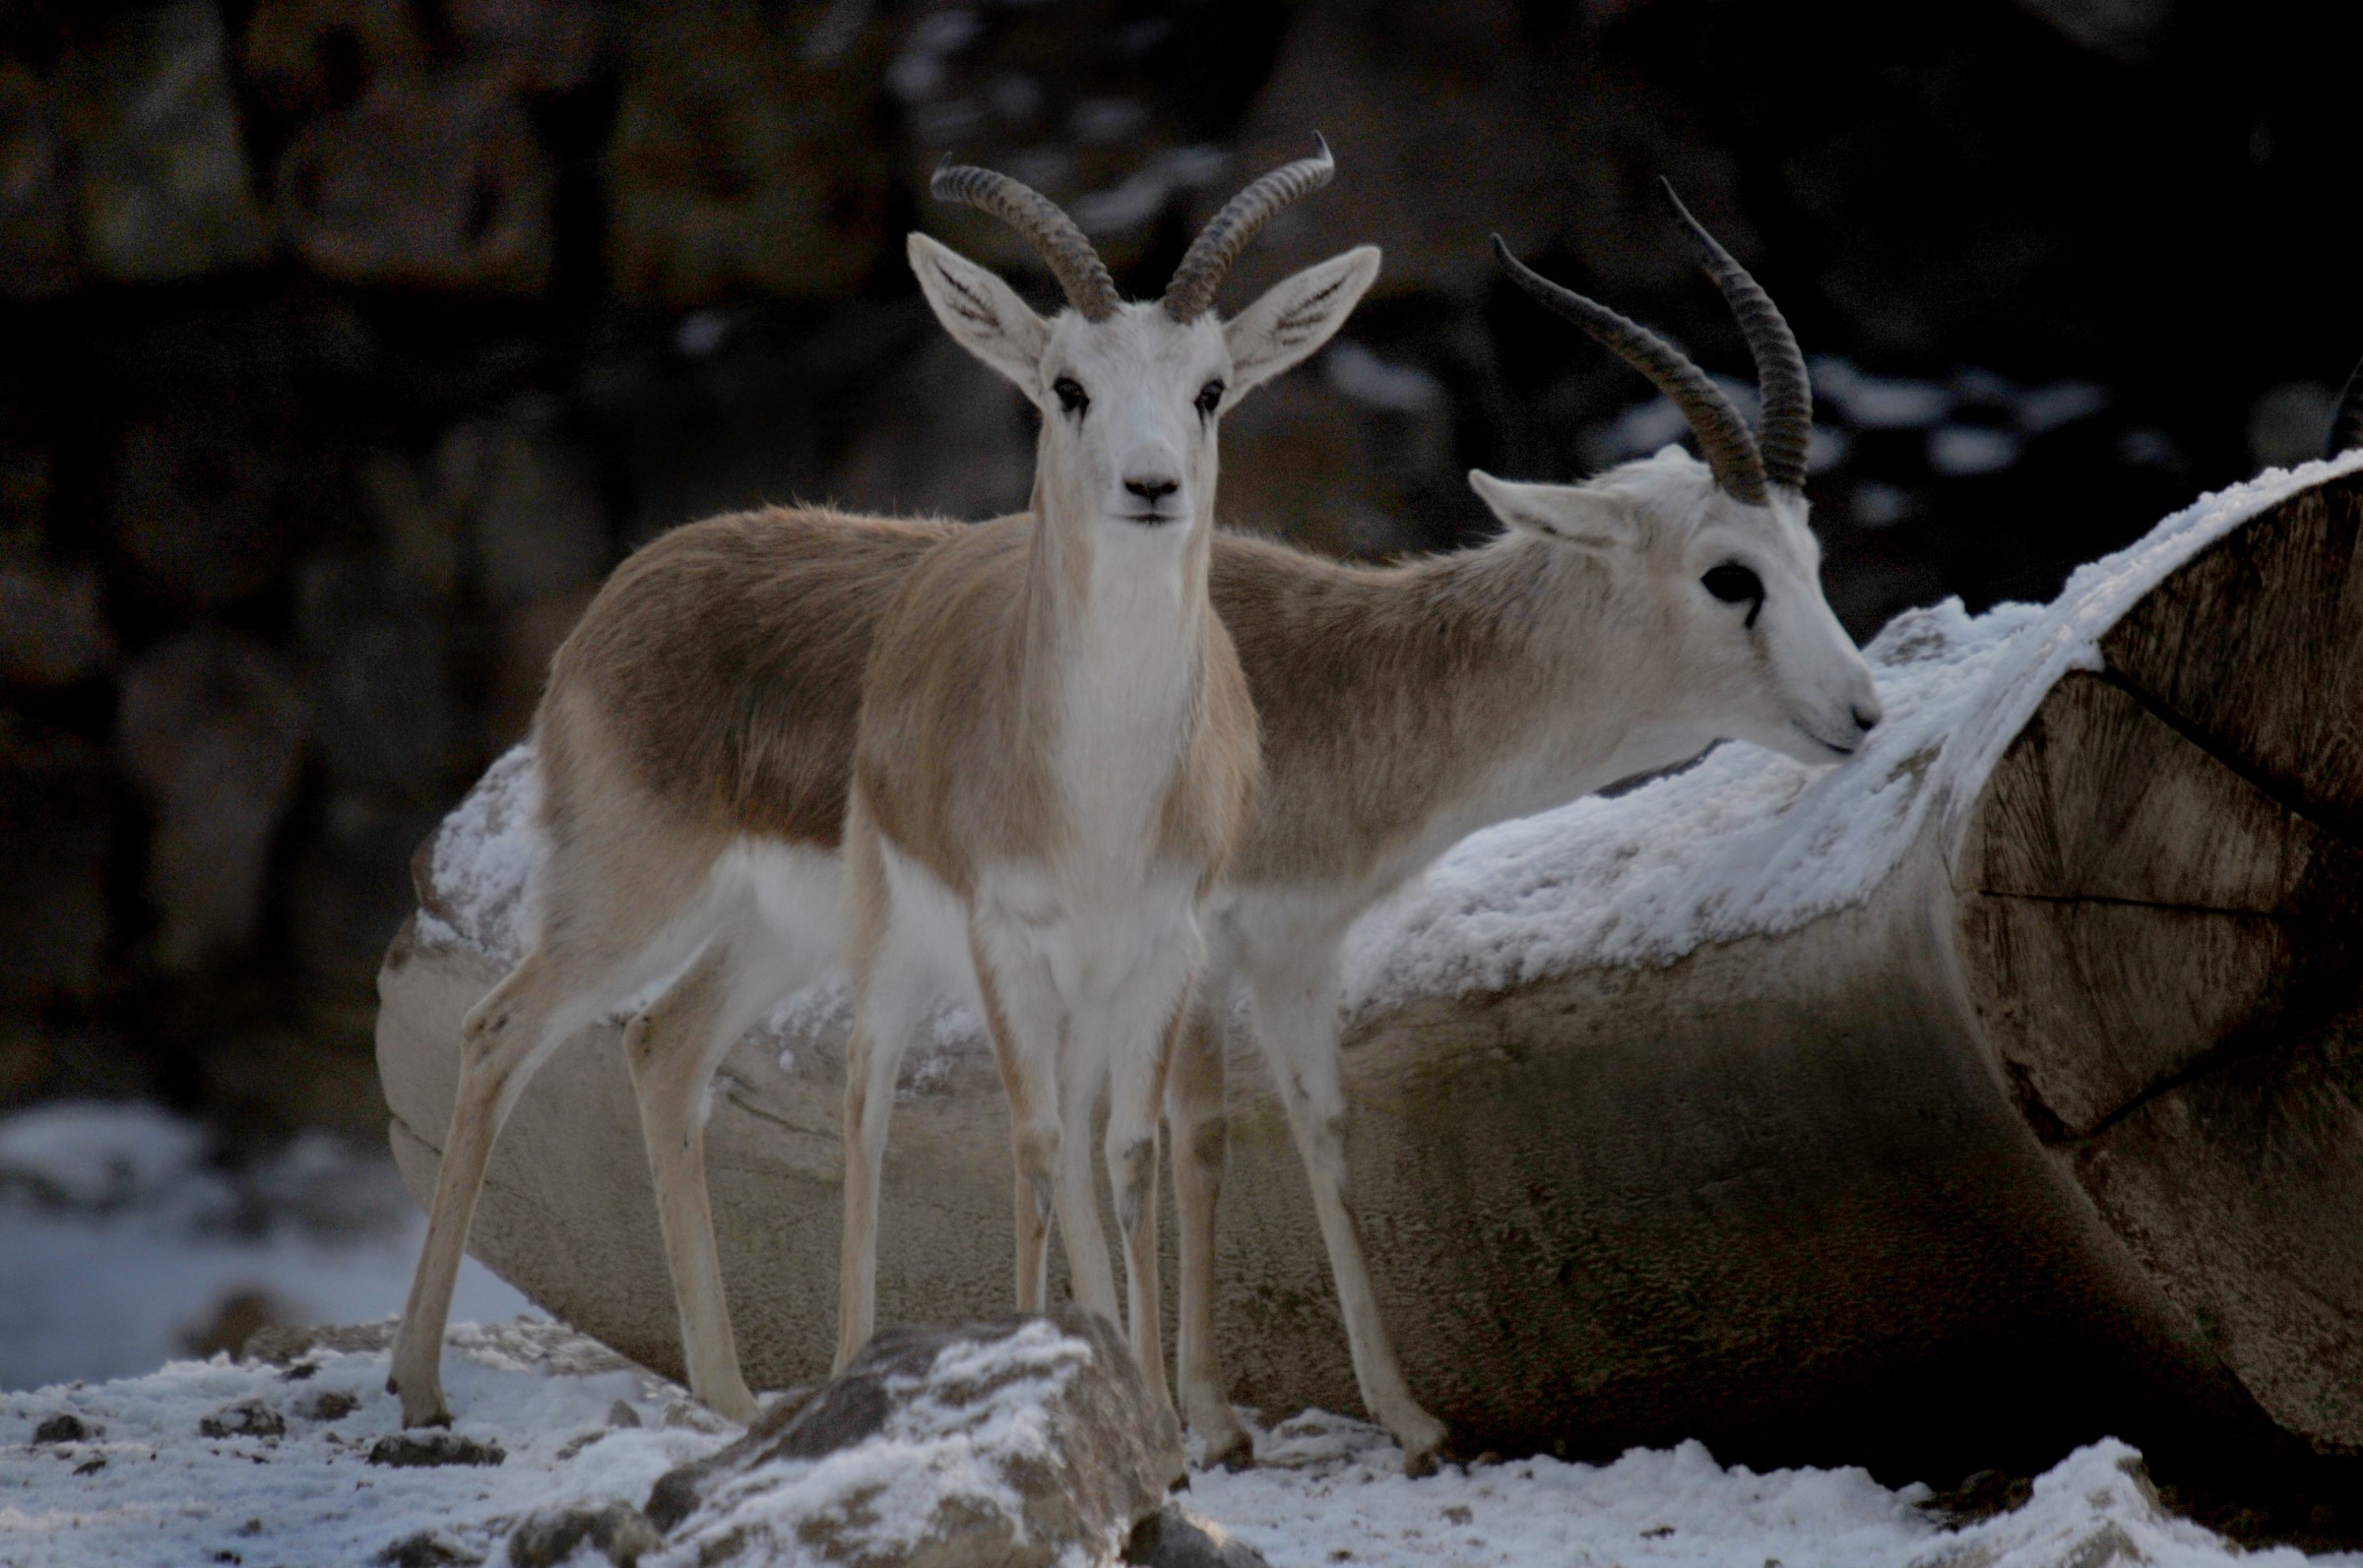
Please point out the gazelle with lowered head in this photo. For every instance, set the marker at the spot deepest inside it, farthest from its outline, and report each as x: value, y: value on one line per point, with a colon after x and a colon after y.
x: 695, y: 744
x: 1055, y: 754
x: 1616, y: 627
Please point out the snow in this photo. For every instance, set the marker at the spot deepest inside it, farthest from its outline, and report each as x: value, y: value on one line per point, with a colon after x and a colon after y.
x: 121, y: 1240
x: 580, y: 1428
x: 1744, y: 843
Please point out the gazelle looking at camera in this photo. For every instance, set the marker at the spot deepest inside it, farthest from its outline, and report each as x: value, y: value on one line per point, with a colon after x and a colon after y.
x: 1055, y: 754
x: 1616, y: 627
x: 695, y: 745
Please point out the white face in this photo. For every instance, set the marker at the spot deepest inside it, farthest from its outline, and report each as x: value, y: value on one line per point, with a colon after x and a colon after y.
x: 1129, y: 425
x: 1130, y: 404
x: 1734, y: 591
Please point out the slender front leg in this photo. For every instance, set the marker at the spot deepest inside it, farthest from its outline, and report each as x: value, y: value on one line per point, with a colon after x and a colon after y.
x: 1199, y: 1133
x: 1136, y: 1084
x: 673, y: 1048
x: 892, y: 992
x: 1295, y: 1020
x: 1025, y: 1021
x: 506, y: 1037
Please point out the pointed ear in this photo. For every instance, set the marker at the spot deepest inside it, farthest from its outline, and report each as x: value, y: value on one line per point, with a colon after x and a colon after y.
x: 983, y: 314
x: 1568, y: 512
x: 1296, y: 316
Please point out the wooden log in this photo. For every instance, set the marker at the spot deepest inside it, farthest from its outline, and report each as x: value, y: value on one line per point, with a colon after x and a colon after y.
x: 1995, y: 1091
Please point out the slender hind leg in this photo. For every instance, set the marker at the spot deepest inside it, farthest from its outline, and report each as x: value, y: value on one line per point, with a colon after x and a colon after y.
x: 1295, y: 1020
x: 674, y: 1047
x: 872, y: 1058
x: 1090, y: 1267
x: 1198, y: 1134
x: 893, y: 989
x: 506, y: 1037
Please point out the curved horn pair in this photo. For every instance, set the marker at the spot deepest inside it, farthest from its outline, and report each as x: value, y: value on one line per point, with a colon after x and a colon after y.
x: 1083, y: 277
x: 1744, y: 465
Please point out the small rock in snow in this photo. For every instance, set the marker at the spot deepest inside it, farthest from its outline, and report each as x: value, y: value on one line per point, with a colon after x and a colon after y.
x: 246, y: 1418
x: 63, y: 1428
x: 619, y: 1530
x: 621, y: 1414
x: 411, y: 1450
x: 1176, y: 1537
x: 429, y: 1548
x: 332, y: 1405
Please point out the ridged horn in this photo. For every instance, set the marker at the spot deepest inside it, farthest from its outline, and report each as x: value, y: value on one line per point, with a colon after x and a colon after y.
x: 1723, y: 437
x: 1072, y: 260
x: 1784, y: 434
x: 1191, y: 292
x: 2347, y: 425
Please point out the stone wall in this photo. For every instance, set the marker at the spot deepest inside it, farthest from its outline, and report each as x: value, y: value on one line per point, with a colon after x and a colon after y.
x: 346, y: 343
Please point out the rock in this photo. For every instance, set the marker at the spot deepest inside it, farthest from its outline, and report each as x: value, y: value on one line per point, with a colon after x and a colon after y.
x: 2126, y: 30
x: 434, y: 183
x: 52, y: 631
x: 37, y: 222
x: 1452, y: 121
x: 1014, y: 1442
x: 250, y: 1418
x: 56, y: 841
x: 163, y: 180
x: 748, y: 155
x: 428, y: 1549
x: 308, y: 57
x: 619, y: 1530
x: 941, y: 434
x: 384, y: 716
x: 236, y: 1319
x: 1092, y: 104
x: 193, y: 500
x: 311, y: 58
x: 1176, y: 1537
x: 63, y: 1428
x: 529, y: 493
x: 415, y: 1450
x: 526, y: 640
x: 332, y: 1406
x: 210, y: 726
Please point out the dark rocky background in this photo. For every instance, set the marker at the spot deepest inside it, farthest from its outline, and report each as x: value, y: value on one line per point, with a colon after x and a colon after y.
x: 346, y: 343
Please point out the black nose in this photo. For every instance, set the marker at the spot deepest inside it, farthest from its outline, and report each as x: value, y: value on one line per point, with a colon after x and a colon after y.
x: 1865, y: 720
x: 1152, y: 490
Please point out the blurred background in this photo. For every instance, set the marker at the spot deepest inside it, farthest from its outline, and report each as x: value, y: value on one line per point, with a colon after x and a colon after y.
x: 345, y: 345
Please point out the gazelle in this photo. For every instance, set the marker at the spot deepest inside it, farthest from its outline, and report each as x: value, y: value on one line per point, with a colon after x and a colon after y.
x: 1617, y: 627
x: 696, y: 739
x: 1055, y: 754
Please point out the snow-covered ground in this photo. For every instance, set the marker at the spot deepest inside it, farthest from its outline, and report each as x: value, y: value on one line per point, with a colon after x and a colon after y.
x: 119, y: 1238
x: 134, y: 1481
x: 121, y: 1241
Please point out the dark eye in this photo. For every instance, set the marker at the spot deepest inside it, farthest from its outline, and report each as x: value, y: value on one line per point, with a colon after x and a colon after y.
x: 1734, y: 584
x: 1071, y: 396
x: 1210, y: 395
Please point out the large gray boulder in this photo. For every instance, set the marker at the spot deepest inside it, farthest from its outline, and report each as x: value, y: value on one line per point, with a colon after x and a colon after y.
x: 1017, y: 1444
x: 2003, y: 1073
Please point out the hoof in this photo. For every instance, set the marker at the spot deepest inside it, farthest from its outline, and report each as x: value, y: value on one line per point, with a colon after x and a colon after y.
x: 1423, y: 1447
x: 1234, y: 1453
